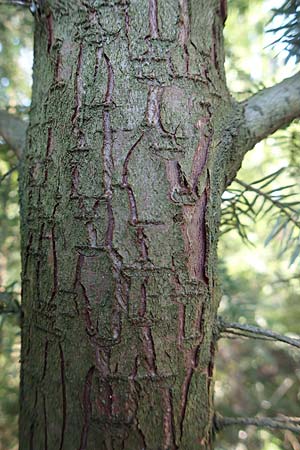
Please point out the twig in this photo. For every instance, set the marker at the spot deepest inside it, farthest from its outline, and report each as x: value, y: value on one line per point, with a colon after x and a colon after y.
x: 251, y: 330
x: 285, y: 423
x: 277, y: 203
x: 236, y: 335
x: 9, y: 172
x: 14, y: 2
x: 9, y: 311
x: 287, y: 280
x: 13, y: 132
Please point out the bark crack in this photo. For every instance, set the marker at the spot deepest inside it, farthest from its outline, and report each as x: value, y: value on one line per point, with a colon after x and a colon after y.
x: 49, y: 22
x: 64, y: 396
x: 78, y: 90
x: 153, y: 19
x: 45, y: 423
x: 55, y: 264
x: 168, y: 421
x: 127, y: 186
x: 184, y: 31
x: 87, y: 408
x: 45, y: 359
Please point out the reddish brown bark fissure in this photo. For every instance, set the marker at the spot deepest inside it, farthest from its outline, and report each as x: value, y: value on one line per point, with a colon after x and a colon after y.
x: 87, y: 408
x: 78, y: 91
x: 45, y: 423
x: 120, y: 304
x: 126, y: 185
x: 49, y: 22
x: 64, y: 398
x: 184, y: 31
x: 169, y: 427
x: 153, y: 19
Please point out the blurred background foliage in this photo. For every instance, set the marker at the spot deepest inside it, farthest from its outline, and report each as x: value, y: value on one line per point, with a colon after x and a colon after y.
x: 260, y: 241
x: 15, y: 86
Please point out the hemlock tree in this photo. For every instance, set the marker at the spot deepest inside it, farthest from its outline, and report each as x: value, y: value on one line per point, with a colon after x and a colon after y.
x: 133, y: 138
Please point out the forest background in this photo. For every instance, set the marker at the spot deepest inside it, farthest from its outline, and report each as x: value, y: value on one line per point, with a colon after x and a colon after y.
x: 259, y: 247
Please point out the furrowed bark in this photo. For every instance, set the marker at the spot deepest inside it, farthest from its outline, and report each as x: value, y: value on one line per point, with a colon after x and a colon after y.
x: 121, y: 189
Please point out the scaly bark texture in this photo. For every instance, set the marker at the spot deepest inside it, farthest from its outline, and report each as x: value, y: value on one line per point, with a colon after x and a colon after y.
x: 120, y: 201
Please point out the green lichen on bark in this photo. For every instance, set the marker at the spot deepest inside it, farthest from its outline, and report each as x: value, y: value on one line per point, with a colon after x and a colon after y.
x: 121, y: 193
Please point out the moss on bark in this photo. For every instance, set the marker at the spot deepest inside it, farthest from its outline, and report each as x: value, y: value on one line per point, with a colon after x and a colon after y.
x: 121, y: 187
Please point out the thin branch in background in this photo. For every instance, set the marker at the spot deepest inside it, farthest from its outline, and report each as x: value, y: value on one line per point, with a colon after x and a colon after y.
x: 281, y: 423
x: 8, y: 173
x: 288, y: 32
x: 15, y: 2
x: 289, y: 141
x: 256, y: 199
x: 287, y: 280
x: 288, y: 211
x: 230, y: 334
x: 10, y: 303
x: 291, y: 439
x: 13, y: 132
x: 13, y: 310
x: 255, y: 332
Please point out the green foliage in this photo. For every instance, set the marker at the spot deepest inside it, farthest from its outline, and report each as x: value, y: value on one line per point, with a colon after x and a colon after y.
x: 9, y: 299
x: 246, y: 203
x: 259, y: 284
x: 289, y: 140
x: 9, y: 381
x: 288, y: 31
x: 15, y: 46
x: 9, y: 217
x: 9, y: 302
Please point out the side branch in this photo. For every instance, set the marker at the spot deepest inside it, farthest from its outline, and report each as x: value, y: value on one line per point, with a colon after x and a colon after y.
x: 284, y: 423
x: 271, y: 109
x: 15, y: 2
x: 13, y: 131
x: 262, y: 114
x: 255, y: 332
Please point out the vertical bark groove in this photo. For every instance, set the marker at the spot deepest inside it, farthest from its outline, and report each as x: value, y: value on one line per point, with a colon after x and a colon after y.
x: 46, y: 423
x: 64, y: 397
x: 87, y: 408
x: 184, y: 31
x: 153, y: 20
x: 121, y: 193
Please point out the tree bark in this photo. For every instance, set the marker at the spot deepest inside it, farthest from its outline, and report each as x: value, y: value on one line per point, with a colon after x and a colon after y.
x: 128, y: 149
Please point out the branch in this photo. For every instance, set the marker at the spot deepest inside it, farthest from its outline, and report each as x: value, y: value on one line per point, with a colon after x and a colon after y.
x: 264, y: 113
x: 13, y: 131
x: 15, y: 2
x: 287, y: 280
x: 284, y: 423
x: 271, y: 109
x: 8, y: 173
x: 256, y: 332
x: 9, y: 303
x: 277, y: 203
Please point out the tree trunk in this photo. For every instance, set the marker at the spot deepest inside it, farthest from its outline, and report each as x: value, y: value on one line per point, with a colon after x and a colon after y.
x: 120, y: 202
